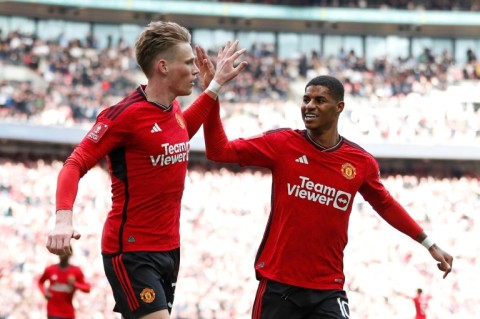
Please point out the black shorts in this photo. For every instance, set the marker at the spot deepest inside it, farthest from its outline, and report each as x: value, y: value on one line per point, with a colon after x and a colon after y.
x: 142, y: 282
x: 275, y: 300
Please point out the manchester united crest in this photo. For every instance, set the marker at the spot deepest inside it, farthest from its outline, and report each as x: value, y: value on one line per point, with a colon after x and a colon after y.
x: 147, y: 295
x: 349, y: 171
x: 180, y: 121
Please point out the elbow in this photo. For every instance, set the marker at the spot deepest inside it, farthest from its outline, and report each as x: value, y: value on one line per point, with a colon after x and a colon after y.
x: 215, y: 157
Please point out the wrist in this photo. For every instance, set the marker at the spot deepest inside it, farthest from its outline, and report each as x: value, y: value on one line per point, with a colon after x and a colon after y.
x: 214, y: 87
x: 427, y: 242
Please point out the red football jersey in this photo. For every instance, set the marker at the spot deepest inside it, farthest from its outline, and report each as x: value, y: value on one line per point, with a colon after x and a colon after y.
x: 313, y: 191
x: 146, y: 146
x: 60, y: 302
x: 421, y: 304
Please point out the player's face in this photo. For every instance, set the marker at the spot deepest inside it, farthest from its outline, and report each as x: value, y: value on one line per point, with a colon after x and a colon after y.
x: 319, y: 110
x: 182, y: 70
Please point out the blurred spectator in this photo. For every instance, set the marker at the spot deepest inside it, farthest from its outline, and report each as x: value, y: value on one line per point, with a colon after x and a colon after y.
x: 224, y: 213
x: 63, y: 280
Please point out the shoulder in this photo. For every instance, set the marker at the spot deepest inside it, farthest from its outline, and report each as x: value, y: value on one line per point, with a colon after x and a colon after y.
x: 123, y: 108
x: 356, y: 148
x: 75, y: 268
x: 284, y: 131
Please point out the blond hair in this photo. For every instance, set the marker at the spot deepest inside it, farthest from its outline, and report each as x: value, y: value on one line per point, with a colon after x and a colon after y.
x: 158, y: 38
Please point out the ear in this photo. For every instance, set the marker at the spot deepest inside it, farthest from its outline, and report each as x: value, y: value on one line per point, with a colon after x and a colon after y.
x: 340, y: 106
x: 161, y: 66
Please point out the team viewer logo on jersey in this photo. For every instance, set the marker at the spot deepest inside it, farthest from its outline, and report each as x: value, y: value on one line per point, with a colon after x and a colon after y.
x: 307, y: 189
x: 147, y: 295
x: 349, y: 171
x: 97, y: 132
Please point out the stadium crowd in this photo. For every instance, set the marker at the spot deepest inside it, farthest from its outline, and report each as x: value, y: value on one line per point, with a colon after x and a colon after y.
x: 224, y: 214
x: 225, y: 209
x: 462, y: 5
x: 385, y: 101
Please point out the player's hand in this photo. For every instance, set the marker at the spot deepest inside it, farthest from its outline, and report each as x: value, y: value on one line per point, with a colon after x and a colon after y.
x: 205, y: 67
x: 445, y: 260
x: 226, y: 58
x: 58, y: 241
x: 71, y: 280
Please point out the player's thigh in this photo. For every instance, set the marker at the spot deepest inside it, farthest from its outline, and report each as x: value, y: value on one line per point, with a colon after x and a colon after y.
x: 162, y: 314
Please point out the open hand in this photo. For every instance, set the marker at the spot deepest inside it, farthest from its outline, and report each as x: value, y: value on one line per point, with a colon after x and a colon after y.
x: 226, y: 58
x: 205, y: 67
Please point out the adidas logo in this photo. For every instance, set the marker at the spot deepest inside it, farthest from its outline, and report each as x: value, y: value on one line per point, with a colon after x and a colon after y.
x: 302, y: 159
x: 131, y: 239
x: 156, y: 128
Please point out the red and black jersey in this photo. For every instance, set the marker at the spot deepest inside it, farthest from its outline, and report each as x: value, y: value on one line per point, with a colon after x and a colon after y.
x: 146, y: 146
x: 313, y: 189
x: 60, y: 290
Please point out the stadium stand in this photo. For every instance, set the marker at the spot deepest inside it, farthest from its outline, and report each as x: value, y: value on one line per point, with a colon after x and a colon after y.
x: 412, y: 100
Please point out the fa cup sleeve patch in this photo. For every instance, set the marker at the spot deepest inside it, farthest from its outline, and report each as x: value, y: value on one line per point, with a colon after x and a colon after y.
x: 97, y: 132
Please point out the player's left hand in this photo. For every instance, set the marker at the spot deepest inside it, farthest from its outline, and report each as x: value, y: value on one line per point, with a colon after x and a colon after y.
x: 71, y: 280
x: 445, y: 260
x: 205, y: 67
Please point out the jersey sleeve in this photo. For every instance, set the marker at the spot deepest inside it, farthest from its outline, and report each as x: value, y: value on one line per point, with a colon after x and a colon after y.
x: 217, y: 146
x: 196, y: 114
x: 259, y: 150
x: 80, y: 282
x: 103, y: 137
x: 375, y: 193
x: 41, y: 281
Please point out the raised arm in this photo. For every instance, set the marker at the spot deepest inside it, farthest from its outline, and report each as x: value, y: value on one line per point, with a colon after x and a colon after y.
x: 218, y: 147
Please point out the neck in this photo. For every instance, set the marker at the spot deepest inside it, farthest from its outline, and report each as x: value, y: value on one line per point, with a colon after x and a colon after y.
x: 324, y: 139
x: 153, y: 93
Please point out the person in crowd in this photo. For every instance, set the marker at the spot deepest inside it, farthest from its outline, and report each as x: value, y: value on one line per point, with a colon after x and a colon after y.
x: 64, y: 279
x: 145, y: 139
x: 421, y: 304
x: 316, y: 174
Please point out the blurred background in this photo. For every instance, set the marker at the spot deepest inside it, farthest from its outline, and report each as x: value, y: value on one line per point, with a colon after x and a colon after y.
x: 411, y: 75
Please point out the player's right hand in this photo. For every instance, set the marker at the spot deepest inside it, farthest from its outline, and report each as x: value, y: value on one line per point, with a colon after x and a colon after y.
x: 58, y: 241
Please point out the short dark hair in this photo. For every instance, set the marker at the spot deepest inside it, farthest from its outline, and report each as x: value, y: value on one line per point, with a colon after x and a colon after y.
x: 335, y: 87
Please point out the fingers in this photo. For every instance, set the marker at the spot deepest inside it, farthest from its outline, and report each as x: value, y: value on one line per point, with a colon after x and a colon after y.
x: 445, y: 264
x: 201, y: 54
x: 60, y: 245
x: 229, y: 49
x: 445, y: 267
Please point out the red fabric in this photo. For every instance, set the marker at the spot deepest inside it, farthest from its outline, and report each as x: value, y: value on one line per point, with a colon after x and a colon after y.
x: 60, y: 302
x: 196, y: 114
x: 146, y: 146
x: 218, y: 147
x: 421, y: 304
x: 313, y: 191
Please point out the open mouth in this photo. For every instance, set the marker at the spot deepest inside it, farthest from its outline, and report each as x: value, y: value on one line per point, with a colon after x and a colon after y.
x: 310, y: 116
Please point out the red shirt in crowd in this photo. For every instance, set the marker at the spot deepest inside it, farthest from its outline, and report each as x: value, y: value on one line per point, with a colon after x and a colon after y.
x: 61, y: 290
x: 421, y: 304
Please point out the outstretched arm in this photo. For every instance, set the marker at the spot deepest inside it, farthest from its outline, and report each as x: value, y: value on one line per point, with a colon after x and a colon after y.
x: 395, y: 214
